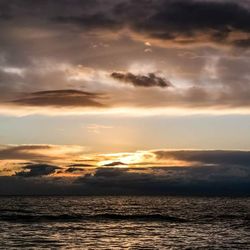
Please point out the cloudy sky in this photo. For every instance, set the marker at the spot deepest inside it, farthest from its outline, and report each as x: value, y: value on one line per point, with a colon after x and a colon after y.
x: 122, y: 96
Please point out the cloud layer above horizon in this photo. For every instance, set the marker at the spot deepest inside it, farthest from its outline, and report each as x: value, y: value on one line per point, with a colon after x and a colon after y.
x: 52, y: 169
x: 104, y: 55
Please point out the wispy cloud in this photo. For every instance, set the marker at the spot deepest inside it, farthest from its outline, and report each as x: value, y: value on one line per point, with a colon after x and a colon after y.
x: 97, y: 128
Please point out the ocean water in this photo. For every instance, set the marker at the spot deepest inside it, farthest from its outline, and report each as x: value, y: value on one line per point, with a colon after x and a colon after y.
x: 124, y: 223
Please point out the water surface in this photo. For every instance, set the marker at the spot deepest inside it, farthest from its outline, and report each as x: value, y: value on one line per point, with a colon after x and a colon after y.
x: 124, y: 223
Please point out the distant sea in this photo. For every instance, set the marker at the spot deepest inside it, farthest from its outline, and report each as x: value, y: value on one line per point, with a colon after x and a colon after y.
x: 124, y: 223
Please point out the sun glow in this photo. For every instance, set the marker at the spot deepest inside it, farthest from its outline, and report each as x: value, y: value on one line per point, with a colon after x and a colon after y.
x: 139, y: 159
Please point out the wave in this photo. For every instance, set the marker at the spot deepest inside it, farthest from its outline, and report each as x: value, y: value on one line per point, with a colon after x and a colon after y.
x: 76, y: 218
x: 29, y: 217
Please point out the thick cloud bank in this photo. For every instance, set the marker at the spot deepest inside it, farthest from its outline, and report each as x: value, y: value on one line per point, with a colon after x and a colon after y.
x: 157, y: 173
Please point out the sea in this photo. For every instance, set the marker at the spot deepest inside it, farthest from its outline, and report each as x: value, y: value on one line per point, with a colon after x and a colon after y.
x: 126, y: 222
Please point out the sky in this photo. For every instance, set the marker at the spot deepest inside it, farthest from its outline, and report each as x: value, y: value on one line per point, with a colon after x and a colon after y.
x: 125, y: 97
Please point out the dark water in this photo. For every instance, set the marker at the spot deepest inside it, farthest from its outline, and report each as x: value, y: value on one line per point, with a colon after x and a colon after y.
x: 124, y: 223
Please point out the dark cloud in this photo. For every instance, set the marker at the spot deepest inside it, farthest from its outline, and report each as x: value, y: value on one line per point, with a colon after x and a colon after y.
x: 217, y: 173
x: 186, y: 180
x: 182, y: 22
x: 114, y: 163
x: 218, y: 157
x: 37, y: 170
x: 74, y: 169
x: 59, y: 98
x: 44, y: 42
x: 5, y: 11
x: 206, y: 173
x: 81, y: 165
x: 13, y: 185
x: 190, y: 19
x: 95, y: 21
x: 150, y: 80
x: 44, y: 9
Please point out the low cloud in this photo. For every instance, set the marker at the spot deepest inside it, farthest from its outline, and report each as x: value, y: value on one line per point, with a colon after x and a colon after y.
x: 208, y: 180
x: 37, y: 170
x: 150, y: 80
x: 39, y: 152
x: 217, y: 157
x: 74, y: 169
x: 186, y: 181
x: 81, y: 165
x: 204, y: 172
x: 114, y: 163
x: 25, y: 152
